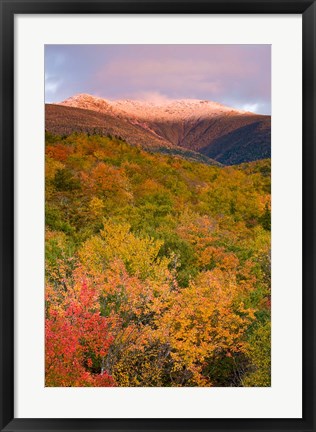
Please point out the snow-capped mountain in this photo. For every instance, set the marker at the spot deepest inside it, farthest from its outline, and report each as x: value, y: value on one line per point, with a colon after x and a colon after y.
x: 168, y: 110
x: 193, y: 128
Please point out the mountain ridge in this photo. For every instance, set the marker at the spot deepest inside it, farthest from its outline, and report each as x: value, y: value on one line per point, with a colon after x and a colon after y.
x: 64, y: 120
x: 218, y: 132
x: 148, y: 110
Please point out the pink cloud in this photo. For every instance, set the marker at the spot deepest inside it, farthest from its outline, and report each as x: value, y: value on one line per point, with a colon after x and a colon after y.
x: 236, y: 74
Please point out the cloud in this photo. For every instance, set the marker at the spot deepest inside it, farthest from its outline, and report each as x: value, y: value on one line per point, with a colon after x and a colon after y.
x: 52, y: 84
x: 250, y: 107
x: 236, y: 75
x: 176, y: 77
x: 155, y: 97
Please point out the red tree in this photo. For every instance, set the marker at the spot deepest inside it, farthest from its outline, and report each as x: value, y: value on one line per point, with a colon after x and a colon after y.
x: 77, y: 338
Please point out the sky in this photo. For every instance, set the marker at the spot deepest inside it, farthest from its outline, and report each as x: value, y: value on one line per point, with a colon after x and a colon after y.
x: 235, y: 75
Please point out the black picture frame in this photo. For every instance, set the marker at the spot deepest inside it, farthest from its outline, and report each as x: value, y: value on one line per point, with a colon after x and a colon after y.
x: 8, y: 10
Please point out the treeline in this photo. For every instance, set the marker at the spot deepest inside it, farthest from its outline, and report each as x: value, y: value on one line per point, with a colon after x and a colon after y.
x: 157, y: 268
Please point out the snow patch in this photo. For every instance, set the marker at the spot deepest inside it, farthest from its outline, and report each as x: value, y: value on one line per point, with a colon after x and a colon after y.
x: 166, y: 110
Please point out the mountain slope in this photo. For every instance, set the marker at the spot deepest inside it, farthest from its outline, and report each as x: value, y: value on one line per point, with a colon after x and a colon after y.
x: 64, y: 120
x: 216, y: 131
x: 249, y: 142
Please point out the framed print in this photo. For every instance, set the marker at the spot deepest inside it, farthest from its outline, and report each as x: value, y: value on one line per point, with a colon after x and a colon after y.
x: 157, y: 215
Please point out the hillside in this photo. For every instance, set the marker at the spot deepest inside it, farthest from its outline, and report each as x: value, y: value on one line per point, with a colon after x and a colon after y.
x: 221, y: 133
x: 157, y: 268
x: 249, y: 141
x: 64, y: 120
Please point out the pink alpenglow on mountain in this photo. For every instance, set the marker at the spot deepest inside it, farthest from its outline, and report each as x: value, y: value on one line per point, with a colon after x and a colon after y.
x: 196, y: 129
x: 182, y: 109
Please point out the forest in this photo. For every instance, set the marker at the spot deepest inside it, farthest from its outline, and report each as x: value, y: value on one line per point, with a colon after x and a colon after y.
x: 157, y: 268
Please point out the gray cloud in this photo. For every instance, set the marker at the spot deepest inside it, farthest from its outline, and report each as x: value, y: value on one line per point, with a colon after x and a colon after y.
x: 237, y: 75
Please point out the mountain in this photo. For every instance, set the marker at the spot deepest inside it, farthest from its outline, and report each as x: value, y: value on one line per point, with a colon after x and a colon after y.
x: 64, y: 120
x: 197, y: 129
